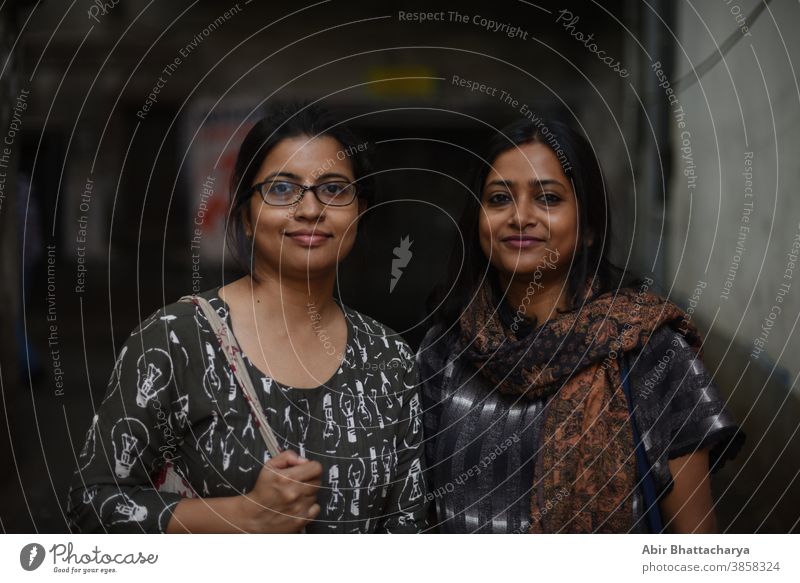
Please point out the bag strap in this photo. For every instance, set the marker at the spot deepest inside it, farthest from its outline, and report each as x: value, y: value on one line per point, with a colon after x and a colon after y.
x: 233, y: 354
x: 647, y: 484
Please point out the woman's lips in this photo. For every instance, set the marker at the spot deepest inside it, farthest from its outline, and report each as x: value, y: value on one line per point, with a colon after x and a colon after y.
x: 522, y: 241
x: 309, y: 238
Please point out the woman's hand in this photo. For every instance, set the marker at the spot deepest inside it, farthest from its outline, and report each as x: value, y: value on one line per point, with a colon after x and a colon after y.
x: 284, y: 499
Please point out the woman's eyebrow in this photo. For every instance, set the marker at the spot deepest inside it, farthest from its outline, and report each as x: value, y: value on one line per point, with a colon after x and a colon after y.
x: 330, y: 175
x: 533, y: 183
x: 285, y: 174
x: 500, y: 182
x: 541, y: 183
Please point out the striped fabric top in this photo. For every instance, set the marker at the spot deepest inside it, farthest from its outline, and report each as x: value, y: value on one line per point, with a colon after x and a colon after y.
x: 482, y: 446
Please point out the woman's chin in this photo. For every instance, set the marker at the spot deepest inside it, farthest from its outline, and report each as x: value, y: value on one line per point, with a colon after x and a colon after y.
x: 526, y: 269
x: 311, y: 262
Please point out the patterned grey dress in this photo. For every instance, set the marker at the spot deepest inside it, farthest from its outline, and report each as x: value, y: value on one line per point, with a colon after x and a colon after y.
x: 174, y: 423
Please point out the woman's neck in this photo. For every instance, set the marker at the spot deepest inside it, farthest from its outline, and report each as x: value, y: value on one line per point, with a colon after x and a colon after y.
x: 285, y: 301
x: 539, y: 299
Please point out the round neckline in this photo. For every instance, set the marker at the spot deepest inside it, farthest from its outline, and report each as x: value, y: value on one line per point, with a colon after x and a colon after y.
x: 251, y: 365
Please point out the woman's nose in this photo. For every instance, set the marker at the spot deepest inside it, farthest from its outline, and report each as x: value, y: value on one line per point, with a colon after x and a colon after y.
x: 308, y: 207
x: 524, y: 214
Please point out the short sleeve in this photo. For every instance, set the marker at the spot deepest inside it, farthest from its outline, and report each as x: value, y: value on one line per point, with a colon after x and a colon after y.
x: 678, y: 408
x: 133, y: 434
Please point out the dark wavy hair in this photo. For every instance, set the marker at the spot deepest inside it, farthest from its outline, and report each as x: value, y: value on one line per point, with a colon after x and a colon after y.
x: 285, y: 121
x: 581, y: 166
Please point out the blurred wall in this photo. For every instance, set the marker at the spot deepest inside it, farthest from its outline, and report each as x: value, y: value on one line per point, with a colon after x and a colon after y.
x: 736, y: 227
x: 734, y: 237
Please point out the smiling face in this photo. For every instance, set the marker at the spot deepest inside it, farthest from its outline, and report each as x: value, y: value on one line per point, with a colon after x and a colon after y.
x: 529, y: 215
x: 306, y: 238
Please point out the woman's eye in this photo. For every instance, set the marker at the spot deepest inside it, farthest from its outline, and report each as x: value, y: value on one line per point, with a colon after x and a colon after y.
x: 280, y: 188
x: 548, y: 198
x: 333, y: 188
x: 499, y: 198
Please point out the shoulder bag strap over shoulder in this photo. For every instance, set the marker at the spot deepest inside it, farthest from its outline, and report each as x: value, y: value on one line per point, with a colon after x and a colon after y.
x: 647, y: 484
x: 233, y: 354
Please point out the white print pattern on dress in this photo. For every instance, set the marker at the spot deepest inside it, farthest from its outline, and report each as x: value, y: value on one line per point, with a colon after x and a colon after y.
x: 231, y: 384
x: 146, y: 323
x: 181, y: 407
x: 87, y: 453
x: 355, y: 475
x: 416, y: 422
x: 208, y: 435
x: 331, y: 433
x: 368, y: 329
x: 364, y: 414
x: 349, y: 357
x: 374, y: 474
x: 389, y: 460
x: 151, y: 379
x: 402, y: 348
x: 211, y: 381
x: 348, y: 408
x: 123, y: 509
x: 115, y: 373
x: 362, y: 350
x: 227, y: 448
x: 374, y: 393
x: 152, y: 319
x: 127, y: 446
x: 385, y: 384
x: 174, y: 339
x: 202, y: 323
x: 412, y: 489
x: 303, y: 420
x: 335, y: 506
x: 247, y: 457
x: 249, y: 428
x: 287, y: 427
x: 89, y: 495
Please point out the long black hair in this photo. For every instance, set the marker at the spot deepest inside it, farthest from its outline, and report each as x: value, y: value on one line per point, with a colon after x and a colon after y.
x: 591, y: 259
x: 285, y: 121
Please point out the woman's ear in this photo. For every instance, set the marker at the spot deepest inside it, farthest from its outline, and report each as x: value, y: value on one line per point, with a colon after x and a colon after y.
x: 247, y: 224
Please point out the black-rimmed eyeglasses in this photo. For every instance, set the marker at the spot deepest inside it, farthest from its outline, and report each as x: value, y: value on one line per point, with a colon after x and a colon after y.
x: 285, y: 193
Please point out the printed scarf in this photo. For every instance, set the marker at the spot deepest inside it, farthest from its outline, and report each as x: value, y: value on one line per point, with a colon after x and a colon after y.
x: 586, y: 469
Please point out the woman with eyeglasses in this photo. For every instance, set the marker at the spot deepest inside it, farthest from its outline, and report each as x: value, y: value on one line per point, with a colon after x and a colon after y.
x: 174, y: 446
x: 548, y: 366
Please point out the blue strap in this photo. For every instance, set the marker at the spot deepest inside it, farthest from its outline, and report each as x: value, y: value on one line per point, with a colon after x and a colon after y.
x: 647, y: 484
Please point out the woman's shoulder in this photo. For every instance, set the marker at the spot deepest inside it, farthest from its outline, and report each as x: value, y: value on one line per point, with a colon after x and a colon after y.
x: 679, y: 407
x: 368, y: 328
x: 669, y: 378
x: 177, y: 318
x: 667, y: 342
x: 438, y: 350
x: 440, y: 340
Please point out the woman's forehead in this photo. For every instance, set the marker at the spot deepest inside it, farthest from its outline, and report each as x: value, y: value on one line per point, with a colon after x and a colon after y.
x: 526, y: 163
x: 307, y: 156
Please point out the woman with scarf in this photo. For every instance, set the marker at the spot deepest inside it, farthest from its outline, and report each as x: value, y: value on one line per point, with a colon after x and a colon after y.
x: 548, y: 369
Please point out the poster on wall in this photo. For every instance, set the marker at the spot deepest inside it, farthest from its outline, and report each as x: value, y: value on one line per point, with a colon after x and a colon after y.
x: 212, y: 133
